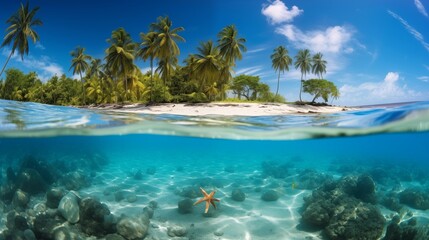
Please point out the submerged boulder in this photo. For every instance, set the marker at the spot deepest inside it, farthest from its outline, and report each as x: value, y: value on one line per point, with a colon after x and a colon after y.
x: 186, y: 206
x: 336, y: 208
x: 53, y: 197
x: 238, y: 195
x: 30, y: 181
x: 69, y: 207
x: 95, y: 217
x: 132, y: 228
x: 415, y: 198
x: 270, y: 196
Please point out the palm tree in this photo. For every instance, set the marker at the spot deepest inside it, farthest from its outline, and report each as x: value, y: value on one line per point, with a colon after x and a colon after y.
x: 230, y: 45
x: 19, y: 30
x: 208, y: 63
x: 319, y: 65
x: 120, y: 55
x: 280, y: 62
x: 303, y: 62
x: 96, y: 68
x: 148, y: 49
x: 166, y: 49
x: 80, y: 65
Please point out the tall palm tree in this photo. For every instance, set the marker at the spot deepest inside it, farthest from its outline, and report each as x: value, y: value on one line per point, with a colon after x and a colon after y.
x: 280, y: 62
x: 80, y: 65
x: 303, y: 62
x: 230, y: 45
x: 167, y: 49
x: 96, y: 68
x: 208, y: 63
x: 20, y: 28
x: 148, y: 50
x: 120, y: 56
x: 319, y: 65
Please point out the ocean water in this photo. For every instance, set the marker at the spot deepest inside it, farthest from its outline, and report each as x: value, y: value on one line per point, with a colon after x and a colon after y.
x: 359, y: 174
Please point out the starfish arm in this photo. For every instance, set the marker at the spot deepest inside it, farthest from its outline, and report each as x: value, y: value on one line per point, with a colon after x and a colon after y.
x: 199, y: 201
x: 207, y: 207
x: 214, y: 205
x: 204, y: 192
x: 215, y: 199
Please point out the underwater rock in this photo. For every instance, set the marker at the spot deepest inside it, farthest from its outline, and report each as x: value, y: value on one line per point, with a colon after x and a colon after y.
x: 138, y: 175
x: 69, y: 207
x: 7, y: 191
x: 29, y: 235
x: 68, y: 233
x: 39, y: 208
x: 186, y: 206
x: 47, y: 172
x: 30, y: 181
x: 365, y: 189
x: 148, y: 211
x: 53, y: 197
x: 132, y: 197
x: 311, y: 179
x: 189, y: 192
x: 75, y: 180
x: 151, y: 170
x: 270, y: 196
x: 95, y: 217
x: 10, y: 175
x: 20, y: 199
x: 176, y: 231
x: 238, y: 195
x: 114, y: 237
x: 218, y: 233
x: 391, y: 201
x: 274, y: 169
x: 153, y: 204
x: 356, y: 221
x: 44, y: 226
x: 132, y: 228
x: 405, y: 230
x: 415, y: 198
x: 229, y: 169
x: 334, y: 208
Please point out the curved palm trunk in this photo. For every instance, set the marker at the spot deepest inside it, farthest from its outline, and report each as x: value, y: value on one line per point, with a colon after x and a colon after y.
x: 278, y: 84
x: 126, y: 87
x: 151, y: 78
x: 83, y: 89
x: 7, y: 61
x: 300, y: 90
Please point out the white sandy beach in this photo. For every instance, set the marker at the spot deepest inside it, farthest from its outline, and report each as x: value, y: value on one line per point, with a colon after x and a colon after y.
x: 223, y: 109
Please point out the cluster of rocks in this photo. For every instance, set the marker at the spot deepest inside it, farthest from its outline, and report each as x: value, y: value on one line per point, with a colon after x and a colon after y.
x: 344, y: 209
x: 65, y: 215
x: 275, y: 169
x: 397, y: 230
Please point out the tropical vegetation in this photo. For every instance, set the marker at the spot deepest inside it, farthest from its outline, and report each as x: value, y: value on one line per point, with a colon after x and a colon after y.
x: 206, y: 75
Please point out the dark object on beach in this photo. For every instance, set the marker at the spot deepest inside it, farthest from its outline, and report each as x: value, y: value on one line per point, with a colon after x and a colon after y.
x: 270, y: 196
x: 238, y: 195
x: 185, y: 206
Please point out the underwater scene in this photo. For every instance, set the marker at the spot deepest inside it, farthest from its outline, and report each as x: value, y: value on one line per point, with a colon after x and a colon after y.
x: 69, y: 173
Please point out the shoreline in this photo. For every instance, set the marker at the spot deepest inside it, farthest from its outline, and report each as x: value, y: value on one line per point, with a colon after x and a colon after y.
x: 222, y: 109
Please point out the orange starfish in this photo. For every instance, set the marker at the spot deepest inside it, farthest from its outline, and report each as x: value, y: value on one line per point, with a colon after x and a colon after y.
x: 208, y: 198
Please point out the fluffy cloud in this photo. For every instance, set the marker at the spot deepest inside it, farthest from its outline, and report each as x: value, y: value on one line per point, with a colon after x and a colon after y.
x: 332, y: 39
x: 278, y: 12
x: 424, y: 78
x: 420, y: 7
x: 388, y: 90
x: 417, y: 35
x: 43, y: 66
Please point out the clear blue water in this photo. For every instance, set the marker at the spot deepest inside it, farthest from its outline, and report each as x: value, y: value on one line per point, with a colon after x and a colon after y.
x: 157, y: 157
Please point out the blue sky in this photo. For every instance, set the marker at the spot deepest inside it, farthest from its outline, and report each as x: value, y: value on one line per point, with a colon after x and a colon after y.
x: 377, y: 51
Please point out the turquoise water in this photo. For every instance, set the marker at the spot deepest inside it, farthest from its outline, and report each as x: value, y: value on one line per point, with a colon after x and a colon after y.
x: 366, y: 170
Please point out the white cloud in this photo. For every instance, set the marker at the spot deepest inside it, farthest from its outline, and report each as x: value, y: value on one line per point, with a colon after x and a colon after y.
x: 39, y: 46
x: 145, y: 70
x: 278, y: 12
x: 417, y: 35
x: 420, y: 7
x: 388, y: 90
x: 424, y: 78
x: 249, y: 70
x: 43, y: 66
x: 256, y: 50
x: 332, y: 39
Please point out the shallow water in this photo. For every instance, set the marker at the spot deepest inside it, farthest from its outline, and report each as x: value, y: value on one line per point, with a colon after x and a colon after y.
x: 106, y: 156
